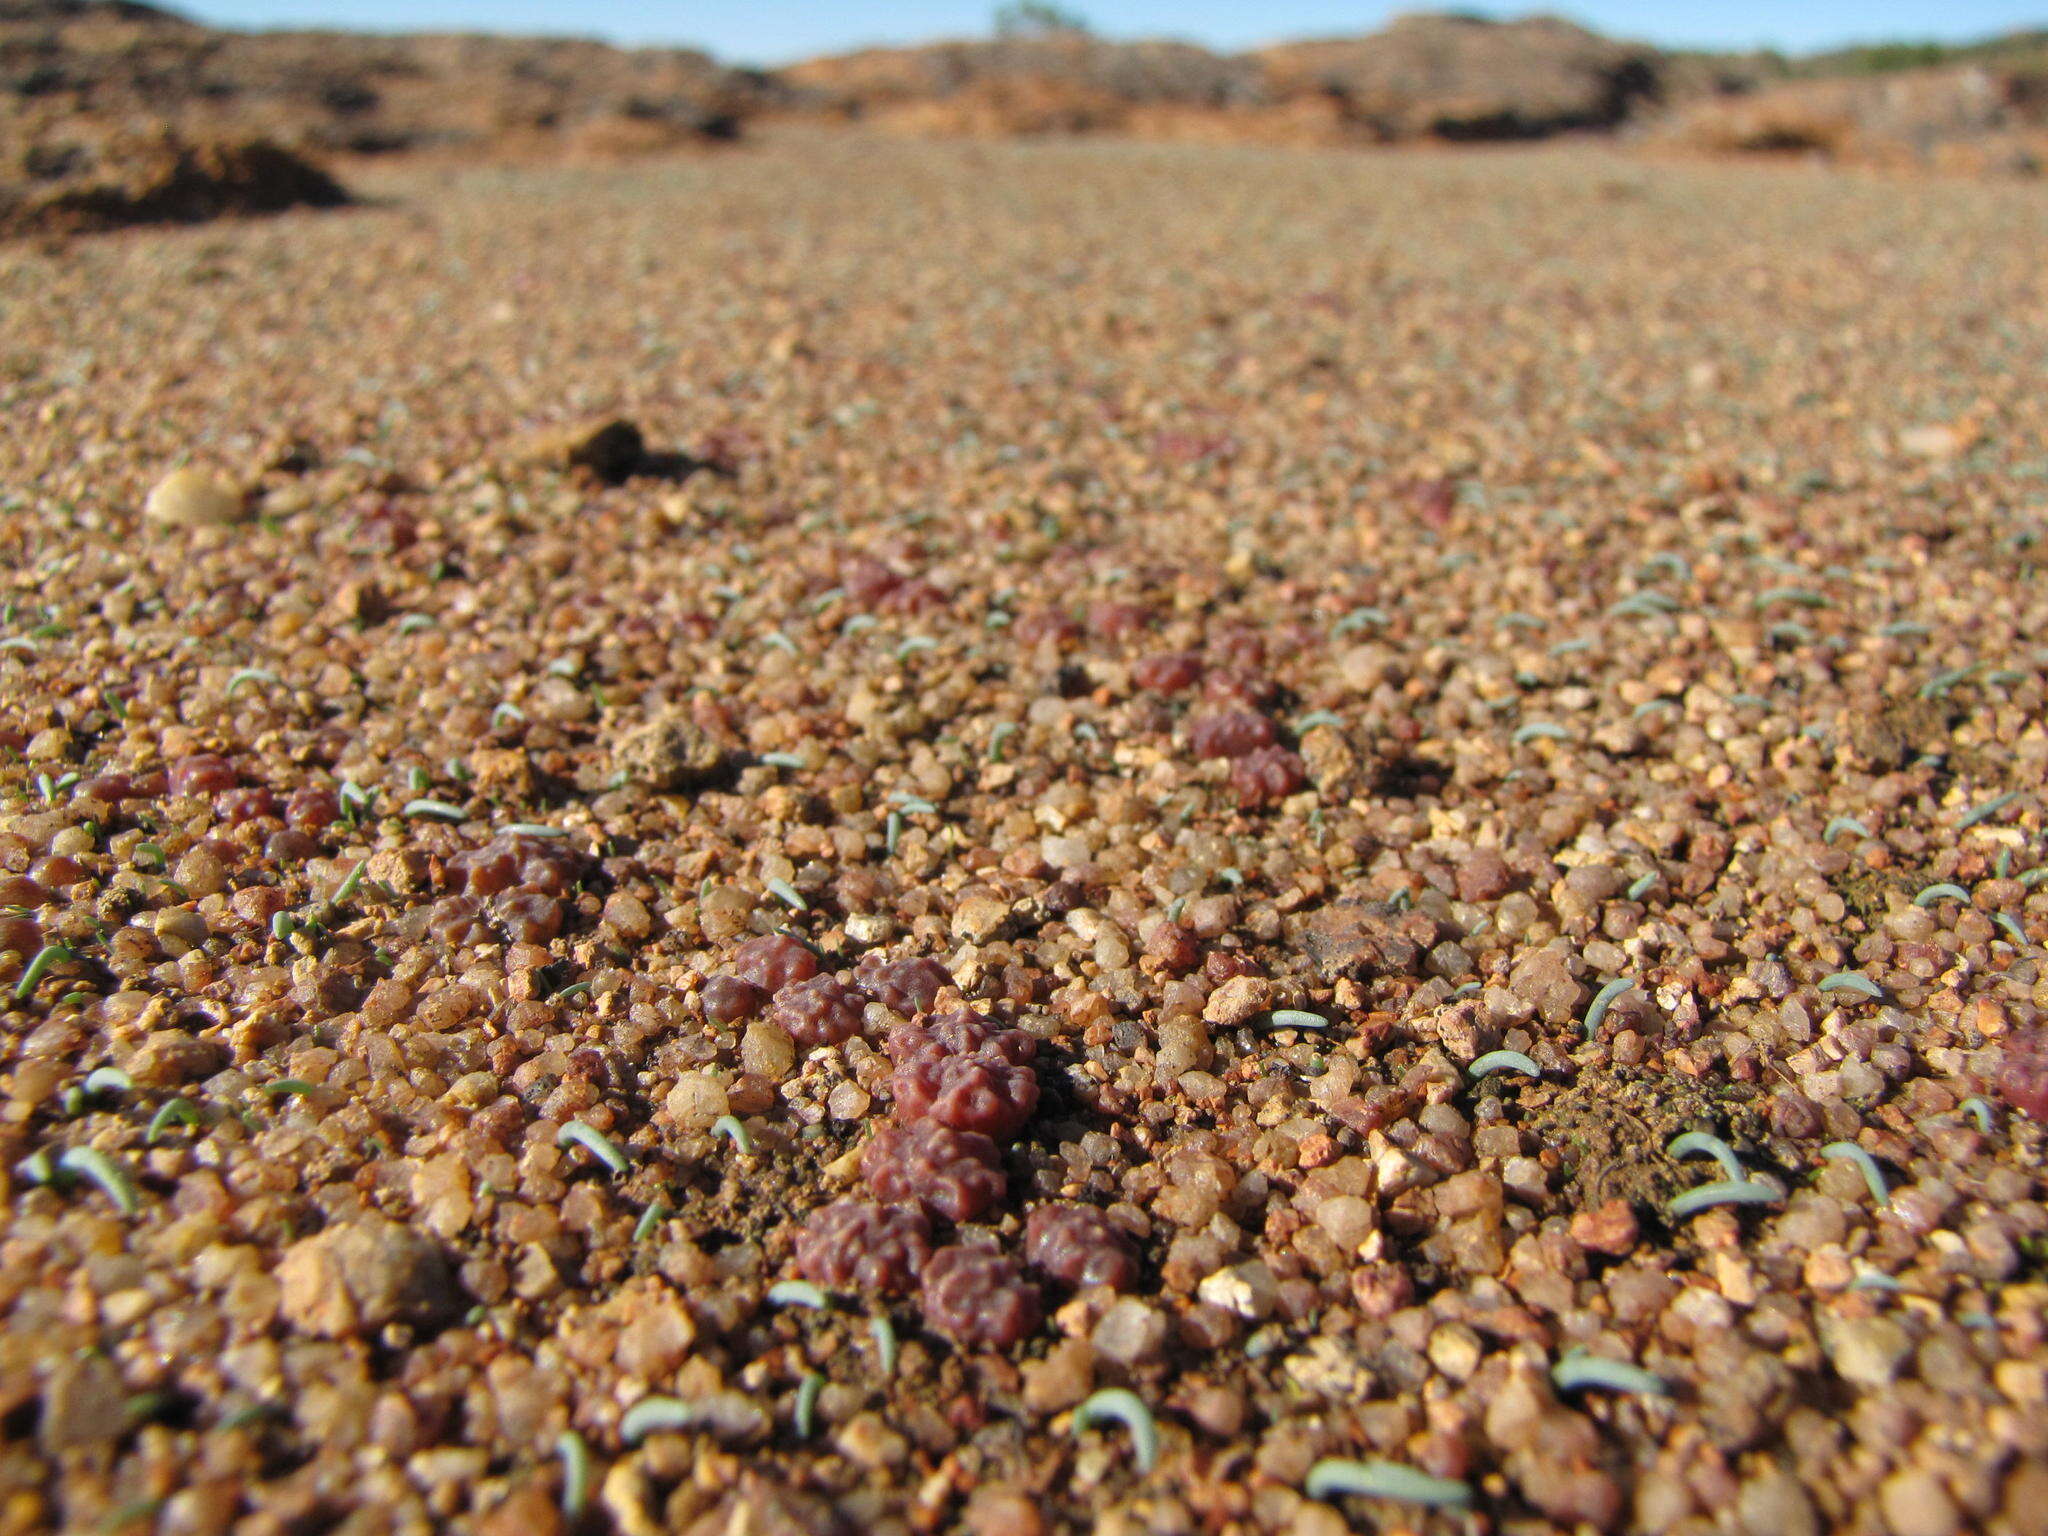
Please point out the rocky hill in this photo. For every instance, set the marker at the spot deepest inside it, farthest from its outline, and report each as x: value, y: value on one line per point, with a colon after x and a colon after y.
x: 1449, y: 77
x: 1463, y: 78
x: 114, y: 61
x: 1975, y: 118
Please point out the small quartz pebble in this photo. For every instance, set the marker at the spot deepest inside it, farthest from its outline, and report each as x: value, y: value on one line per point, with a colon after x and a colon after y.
x: 192, y: 497
x: 356, y: 1277
x: 1866, y: 1351
x: 1132, y: 1332
x: 1238, y: 1001
x: 696, y: 1101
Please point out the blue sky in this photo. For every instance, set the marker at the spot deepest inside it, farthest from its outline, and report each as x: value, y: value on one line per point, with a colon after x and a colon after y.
x: 775, y: 31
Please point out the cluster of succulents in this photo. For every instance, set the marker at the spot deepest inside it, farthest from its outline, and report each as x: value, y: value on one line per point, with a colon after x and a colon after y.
x: 963, y: 1085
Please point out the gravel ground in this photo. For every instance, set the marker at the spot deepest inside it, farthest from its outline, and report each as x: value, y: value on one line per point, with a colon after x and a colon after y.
x: 1271, y: 630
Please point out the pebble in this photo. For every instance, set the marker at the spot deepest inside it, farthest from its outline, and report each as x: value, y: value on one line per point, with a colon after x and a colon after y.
x: 1774, y: 1504
x: 83, y: 1404
x: 1865, y: 1351
x: 1916, y: 1504
x: 611, y: 448
x: 359, y: 1276
x: 669, y: 752
x: 1248, y: 1289
x: 1062, y: 1378
x: 696, y: 1101
x: 979, y: 919
x: 1609, y: 1228
x: 1131, y: 1332
x: 1238, y: 1001
x: 191, y: 497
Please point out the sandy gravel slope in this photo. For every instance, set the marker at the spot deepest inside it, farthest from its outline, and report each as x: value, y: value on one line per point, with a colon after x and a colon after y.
x: 1271, y: 629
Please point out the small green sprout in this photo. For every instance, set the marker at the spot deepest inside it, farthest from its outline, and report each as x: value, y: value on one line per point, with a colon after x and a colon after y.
x: 798, y: 1293
x: 1939, y: 685
x: 47, y: 958
x: 1596, y: 1013
x: 350, y: 883
x: 883, y: 1332
x: 1503, y: 1061
x: 1298, y: 1018
x: 1986, y: 811
x: 1797, y: 597
x: 1873, y: 1176
x: 650, y: 1218
x: 93, y: 1164
x: 730, y: 1127
x: 1701, y: 1143
x: 599, y: 1145
x: 179, y: 1111
x: 657, y: 1415
x: 1723, y: 1192
x: 807, y: 1404
x: 576, y: 1472
x: 1385, y: 1480
x: 1945, y: 891
x: 1578, y: 1369
x: 1664, y: 563
x: 1642, y: 605
x: 440, y: 810
x: 1357, y: 619
x: 104, y: 1080
x: 1129, y: 1410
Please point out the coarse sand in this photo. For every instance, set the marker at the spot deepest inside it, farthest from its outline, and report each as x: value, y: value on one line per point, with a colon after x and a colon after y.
x: 1401, y: 795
